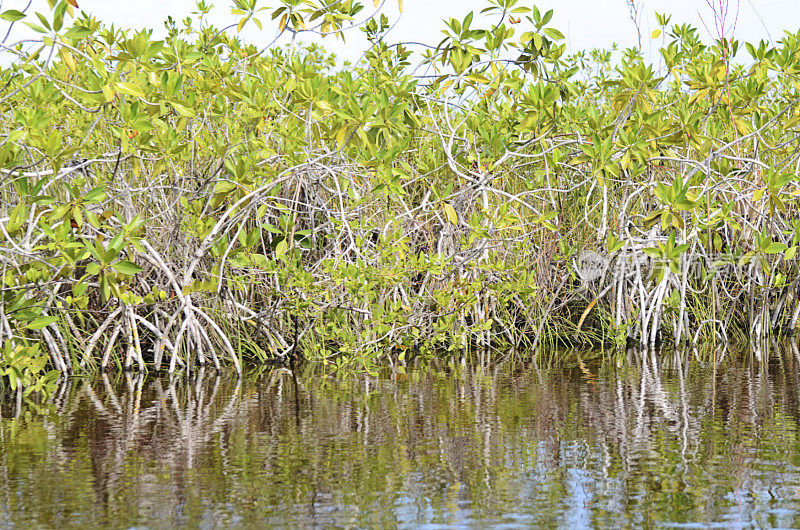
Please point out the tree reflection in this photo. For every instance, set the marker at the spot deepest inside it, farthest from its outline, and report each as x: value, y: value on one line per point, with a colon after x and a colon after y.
x: 653, y: 437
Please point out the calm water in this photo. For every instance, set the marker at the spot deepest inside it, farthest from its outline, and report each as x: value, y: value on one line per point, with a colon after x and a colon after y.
x: 649, y: 441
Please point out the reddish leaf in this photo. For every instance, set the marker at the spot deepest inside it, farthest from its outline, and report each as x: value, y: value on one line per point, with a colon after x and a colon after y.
x: 73, y: 3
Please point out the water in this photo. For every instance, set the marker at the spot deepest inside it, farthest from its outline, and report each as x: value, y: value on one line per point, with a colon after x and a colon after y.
x: 649, y: 441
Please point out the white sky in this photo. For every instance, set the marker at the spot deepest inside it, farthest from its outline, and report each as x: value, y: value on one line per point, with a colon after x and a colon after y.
x: 586, y: 23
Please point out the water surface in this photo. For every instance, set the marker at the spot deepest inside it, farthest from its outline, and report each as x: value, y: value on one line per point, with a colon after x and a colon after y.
x: 651, y: 440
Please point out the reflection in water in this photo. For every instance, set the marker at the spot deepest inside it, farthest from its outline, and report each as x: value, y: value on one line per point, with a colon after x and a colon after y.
x: 654, y: 439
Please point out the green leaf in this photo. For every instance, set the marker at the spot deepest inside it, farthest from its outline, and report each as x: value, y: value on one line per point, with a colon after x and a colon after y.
x: 653, y: 252
x: 775, y: 248
x: 280, y: 249
x: 126, y: 267
x: 130, y: 89
x: 105, y: 289
x: 680, y: 249
x: 77, y: 32
x: 553, y: 33
x: 35, y: 27
x: 12, y: 15
x: 95, y: 195
x: 450, y: 213
x: 341, y: 137
x: 116, y: 244
x: 224, y: 186
x: 182, y: 110
x: 241, y: 24
x: 613, y: 244
x: 42, y: 322
x: 477, y: 78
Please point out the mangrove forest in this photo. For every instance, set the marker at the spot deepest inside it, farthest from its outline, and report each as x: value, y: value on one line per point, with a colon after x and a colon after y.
x: 204, y: 201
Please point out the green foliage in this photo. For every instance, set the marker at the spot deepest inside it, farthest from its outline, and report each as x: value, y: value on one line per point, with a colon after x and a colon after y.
x: 24, y: 368
x: 196, y: 198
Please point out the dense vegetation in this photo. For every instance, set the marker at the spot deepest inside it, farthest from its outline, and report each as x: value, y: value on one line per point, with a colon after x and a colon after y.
x: 202, y: 200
